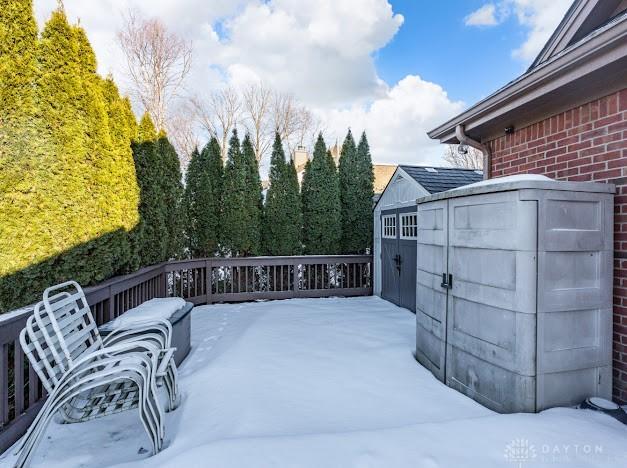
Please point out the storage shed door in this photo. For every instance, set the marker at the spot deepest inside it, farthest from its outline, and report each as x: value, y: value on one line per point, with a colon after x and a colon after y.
x: 398, y: 256
x: 431, y: 298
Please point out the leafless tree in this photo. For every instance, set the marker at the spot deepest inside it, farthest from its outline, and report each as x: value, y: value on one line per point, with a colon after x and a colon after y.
x: 308, y: 127
x: 262, y: 111
x: 257, y: 101
x: 471, y: 159
x: 285, y: 117
x: 219, y: 114
x: 181, y: 129
x: 158, y: 61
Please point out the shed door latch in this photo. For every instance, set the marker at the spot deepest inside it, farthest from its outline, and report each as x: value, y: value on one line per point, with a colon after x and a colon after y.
x: 447, y: 283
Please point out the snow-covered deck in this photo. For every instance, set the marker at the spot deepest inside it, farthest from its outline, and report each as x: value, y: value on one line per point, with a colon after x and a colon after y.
x: 327, y: 383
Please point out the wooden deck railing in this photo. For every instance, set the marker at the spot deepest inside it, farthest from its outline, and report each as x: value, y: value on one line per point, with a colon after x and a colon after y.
x: 201, y: 281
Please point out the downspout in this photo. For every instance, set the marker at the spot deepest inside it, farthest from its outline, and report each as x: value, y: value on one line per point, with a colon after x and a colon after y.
x: 466, y: 140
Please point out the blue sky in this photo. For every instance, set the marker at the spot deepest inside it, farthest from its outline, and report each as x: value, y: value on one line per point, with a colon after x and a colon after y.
x: 435, y: 43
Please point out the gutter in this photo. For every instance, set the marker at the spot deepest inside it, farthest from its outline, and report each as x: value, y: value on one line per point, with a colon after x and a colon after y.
x: 466, y: 140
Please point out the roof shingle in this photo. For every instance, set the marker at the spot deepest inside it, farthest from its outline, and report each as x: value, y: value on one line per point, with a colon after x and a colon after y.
x: 440, y: 179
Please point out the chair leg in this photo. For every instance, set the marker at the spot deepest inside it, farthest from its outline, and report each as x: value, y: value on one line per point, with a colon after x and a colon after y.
x: 170, y: 380
x: 153, y: 410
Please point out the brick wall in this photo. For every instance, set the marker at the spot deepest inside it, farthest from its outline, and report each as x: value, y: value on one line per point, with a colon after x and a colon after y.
x: 587, y: 143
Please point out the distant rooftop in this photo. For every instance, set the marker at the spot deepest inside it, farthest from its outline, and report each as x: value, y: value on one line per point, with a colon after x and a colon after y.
x: 440, y: 179
x: 382, y: 175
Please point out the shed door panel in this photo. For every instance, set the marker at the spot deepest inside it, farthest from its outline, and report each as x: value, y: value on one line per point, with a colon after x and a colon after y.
x: 407, y: 252
x: 390, y: 289
x: 408, y: 233
x: 431, y: 298
x: 491, y: 305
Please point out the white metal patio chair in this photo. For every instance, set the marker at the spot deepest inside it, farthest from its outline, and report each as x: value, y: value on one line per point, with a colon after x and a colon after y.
x: 157, y: 332
x: 85, y: 379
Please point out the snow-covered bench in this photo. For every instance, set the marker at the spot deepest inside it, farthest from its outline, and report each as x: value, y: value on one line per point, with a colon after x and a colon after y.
x: 173, y: 309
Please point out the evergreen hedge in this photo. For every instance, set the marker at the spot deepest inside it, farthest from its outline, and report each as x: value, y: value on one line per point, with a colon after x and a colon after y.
x: 69, y: 192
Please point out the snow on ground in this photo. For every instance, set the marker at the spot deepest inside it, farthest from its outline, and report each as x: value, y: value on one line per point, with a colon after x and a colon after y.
x: 328, y: 383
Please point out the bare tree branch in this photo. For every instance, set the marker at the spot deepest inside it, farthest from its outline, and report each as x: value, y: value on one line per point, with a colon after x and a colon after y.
x: 158, y: 61
x: 219, y: 114
x: 257, y: 103
x: 285, y: 118
x: 472, y: 159
x: 181, y: 128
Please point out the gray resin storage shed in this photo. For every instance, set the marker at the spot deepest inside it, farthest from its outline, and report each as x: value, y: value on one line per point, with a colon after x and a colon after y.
x: 395, y: 227
x: 514, y: 291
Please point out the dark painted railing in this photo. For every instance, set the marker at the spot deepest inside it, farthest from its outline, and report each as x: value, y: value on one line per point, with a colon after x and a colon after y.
x: 201, y: 281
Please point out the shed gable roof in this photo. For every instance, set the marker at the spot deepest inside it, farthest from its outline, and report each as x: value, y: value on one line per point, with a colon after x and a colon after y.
x: 439, y: 179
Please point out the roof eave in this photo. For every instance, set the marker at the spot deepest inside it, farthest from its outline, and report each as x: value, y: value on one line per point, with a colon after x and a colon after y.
x: 566, y: 62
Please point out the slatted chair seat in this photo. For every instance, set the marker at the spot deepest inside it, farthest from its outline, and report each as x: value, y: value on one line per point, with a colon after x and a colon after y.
x: 88, y: 378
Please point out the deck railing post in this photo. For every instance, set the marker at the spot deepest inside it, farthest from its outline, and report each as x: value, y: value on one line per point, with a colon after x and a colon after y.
x: 295, y: 277
x: 164, y: 283
x: 111, y: 305
x: 208, y: 281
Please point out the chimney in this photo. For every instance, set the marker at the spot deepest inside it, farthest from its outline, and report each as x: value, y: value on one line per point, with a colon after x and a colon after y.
x: 300, y: 158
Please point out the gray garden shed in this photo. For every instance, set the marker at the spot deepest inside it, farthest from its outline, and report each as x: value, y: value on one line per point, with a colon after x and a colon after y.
x: 396, y: 227
x: 514, y: 291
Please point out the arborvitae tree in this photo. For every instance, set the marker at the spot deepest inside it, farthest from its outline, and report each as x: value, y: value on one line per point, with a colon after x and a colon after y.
x: 282, y: 222
x: 356, y: 192
x: 109, y: 173
x: 18, y: 36
x: 255, y: 196
x: 122, y: 131
x: 171, y: 193
x: 192, y: 202
x: 18, y: 124
x: 321, y: 203
x: 240, y: 207
x: 22, y: 143
x: 201, y: 208
x: 233, y: 200
x: 215, y: 167
x: 151, y: 237
x: 364, y: 198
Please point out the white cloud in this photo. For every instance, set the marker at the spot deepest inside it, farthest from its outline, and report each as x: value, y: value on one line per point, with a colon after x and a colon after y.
x: 539, y: 17
x: 320, y: 51
x: 484, y: 16
x: 396, y: 123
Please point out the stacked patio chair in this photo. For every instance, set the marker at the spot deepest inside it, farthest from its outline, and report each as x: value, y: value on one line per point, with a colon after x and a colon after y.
x: 86, y: 377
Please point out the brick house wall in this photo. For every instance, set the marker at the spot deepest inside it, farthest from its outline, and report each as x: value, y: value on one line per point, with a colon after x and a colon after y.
x: 586, y: 143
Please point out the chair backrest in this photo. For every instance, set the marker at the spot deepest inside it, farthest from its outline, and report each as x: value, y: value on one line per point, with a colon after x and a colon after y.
x: 61, y: 329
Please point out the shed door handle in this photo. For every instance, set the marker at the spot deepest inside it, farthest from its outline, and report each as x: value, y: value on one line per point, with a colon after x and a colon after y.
x: 447, y: 283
